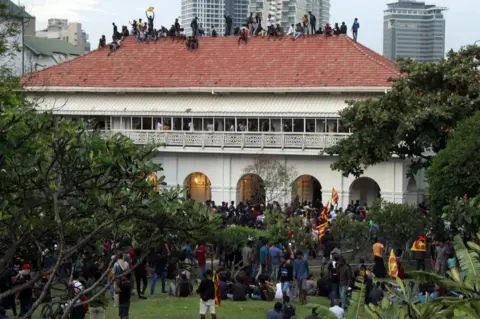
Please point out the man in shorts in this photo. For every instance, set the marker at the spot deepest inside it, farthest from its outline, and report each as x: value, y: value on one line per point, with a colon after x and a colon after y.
x: 206, y: 290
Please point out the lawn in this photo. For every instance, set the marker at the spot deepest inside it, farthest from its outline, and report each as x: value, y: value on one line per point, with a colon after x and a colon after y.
x: 164, y: 307
x: 161, y: 306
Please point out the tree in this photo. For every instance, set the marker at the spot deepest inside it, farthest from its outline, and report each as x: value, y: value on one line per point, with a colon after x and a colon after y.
x: 276, y: 179
x: 423, y: 106
x: 354, y: 235
x: 462, y: 216
x: 454, y: 171
x: 64, y: 187
x: 398, y: 223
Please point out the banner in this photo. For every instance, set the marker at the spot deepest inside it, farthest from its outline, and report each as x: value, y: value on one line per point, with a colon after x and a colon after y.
x: 324, y: 213
x: 334, y: 197
x: 150, y: 9
x: 321, y: 230
x: 392, y: 265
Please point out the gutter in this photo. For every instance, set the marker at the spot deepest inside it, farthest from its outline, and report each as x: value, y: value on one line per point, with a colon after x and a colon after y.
x: 210, y: 90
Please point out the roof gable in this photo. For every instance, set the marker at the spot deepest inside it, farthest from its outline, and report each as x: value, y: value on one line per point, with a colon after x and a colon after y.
x: 10, y: 9
x: 47, y: 46
x: 316, y: 62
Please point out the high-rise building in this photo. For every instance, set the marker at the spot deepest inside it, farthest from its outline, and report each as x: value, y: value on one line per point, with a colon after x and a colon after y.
x: 211, y: 12
x: 414, y: 30
x: 71, y: 32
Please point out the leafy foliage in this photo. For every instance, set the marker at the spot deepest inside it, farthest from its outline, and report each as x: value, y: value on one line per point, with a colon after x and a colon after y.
x: 462, y: 215
x: 398, y: 223
x: 453, y: 172
x: 277, y: 178
x: 237, y: 236
x: 281, y: 226
x: 424, y: 105
x: 354, y: 234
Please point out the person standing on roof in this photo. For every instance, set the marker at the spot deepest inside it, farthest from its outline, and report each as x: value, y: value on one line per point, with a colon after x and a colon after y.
x: 306, y: 31
x: 228, y: 25
x: 355, y: 27
x: 150, y: 18
x: 313, y: 22
x: 194, y: 26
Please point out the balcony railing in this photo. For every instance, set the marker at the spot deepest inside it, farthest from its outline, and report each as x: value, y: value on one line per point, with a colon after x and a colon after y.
x: 239, y: 140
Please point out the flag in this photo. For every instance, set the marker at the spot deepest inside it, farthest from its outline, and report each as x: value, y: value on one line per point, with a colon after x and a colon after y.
x: 324, y: 213
x: 321, y: 229
x: 153, y: 179
x: 334, y: 197
x: 150, y: 9
x: 419, y: 244
x: 216, y: 283
x: 392, y: 265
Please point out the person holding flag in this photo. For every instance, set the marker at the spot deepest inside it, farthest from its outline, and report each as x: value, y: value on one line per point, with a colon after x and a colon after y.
x: 419, y: 250
x: 150, y: 18
x: 207, y: 290
x: 334, y: 197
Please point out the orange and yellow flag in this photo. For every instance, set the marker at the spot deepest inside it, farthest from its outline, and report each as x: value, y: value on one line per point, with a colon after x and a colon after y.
x: 321, y: 229
x: 216, y: 282
x: 153, y: 179
x: 419, y: 244
x: 324, y: 213
x: 150, y: 9
x: 334, y: 197
x: 392, y: 265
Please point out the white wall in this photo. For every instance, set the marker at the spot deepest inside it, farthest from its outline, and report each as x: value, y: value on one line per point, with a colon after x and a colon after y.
x: 43, y: 61
x: 225, y: 170
x: 12, y: 59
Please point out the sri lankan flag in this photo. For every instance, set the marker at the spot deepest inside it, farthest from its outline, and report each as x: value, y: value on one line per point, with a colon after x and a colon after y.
x: 334, y: 197
x: 392, y: 265
x: 420, y: 244
x: 216, y: 283
x: 321, y: 229
x: 150, y: 9
x: 324, y: 213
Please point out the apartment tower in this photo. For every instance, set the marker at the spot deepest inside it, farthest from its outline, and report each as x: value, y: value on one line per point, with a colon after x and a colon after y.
x: 414, y: 30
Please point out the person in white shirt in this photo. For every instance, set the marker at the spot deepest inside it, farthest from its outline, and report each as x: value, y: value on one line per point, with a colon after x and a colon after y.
x: 291, y: 30
x: 159, y: 126
x: 337, y: 310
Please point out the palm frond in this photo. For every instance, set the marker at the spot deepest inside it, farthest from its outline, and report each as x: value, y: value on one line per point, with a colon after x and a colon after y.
x: 357, y: 303
x: 469, y: 264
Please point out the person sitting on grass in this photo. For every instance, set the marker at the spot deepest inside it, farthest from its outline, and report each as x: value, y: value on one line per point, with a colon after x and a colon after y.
x: 239, y: 291
x: 184, y: 286
x: 206, y: 290
x: 263, y: 292
x: 288, y: 308
x: 276, y: 312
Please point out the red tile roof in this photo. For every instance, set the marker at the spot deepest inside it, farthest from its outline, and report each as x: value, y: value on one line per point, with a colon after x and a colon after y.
x: 220, y: 62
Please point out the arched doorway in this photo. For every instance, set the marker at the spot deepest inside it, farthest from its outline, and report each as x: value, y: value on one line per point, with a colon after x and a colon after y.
x: 307, y: 188
x: 364, y: 189
x: 199, y: 187
x: 251, y: 188
x: 412, y: 192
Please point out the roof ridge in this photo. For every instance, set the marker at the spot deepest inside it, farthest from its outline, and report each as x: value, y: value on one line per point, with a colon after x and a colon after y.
x: 361, y: 48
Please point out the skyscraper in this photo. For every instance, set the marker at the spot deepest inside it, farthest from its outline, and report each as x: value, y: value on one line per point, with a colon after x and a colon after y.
x: 414, y: 30
x: 285, y: 12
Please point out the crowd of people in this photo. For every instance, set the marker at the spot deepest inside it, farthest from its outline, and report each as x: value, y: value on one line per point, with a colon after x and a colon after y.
x: 145, y: 31
x: 257, y: 270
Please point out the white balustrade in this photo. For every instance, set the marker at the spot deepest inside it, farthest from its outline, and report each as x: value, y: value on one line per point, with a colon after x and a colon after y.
x: 259, y: 140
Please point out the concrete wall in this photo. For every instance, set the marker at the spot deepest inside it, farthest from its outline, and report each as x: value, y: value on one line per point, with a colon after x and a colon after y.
x: 12, y: 58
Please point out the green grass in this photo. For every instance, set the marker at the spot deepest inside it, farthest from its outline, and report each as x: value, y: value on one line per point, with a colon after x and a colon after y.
x: 161, y: 306
x: 158, y: 306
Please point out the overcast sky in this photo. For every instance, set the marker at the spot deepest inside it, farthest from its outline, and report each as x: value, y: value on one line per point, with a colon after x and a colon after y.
x: 97, y: 16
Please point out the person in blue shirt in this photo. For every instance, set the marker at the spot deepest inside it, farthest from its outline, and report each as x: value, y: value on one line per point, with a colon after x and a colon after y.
x: 301, y: 272
x: 275, y: 261
x: 263, y: 257
x: 355, y: 27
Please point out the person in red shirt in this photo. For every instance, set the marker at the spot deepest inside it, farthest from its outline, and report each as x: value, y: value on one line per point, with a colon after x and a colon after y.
x: 201, y: 253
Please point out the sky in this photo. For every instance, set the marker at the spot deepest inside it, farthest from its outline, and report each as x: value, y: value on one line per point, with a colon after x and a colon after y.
x: 97, y: 16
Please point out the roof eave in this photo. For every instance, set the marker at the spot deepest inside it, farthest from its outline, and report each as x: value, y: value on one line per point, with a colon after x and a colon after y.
x: 211, y: 90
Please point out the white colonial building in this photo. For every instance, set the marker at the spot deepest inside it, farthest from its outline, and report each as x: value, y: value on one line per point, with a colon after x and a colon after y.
x: 215, y: 113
